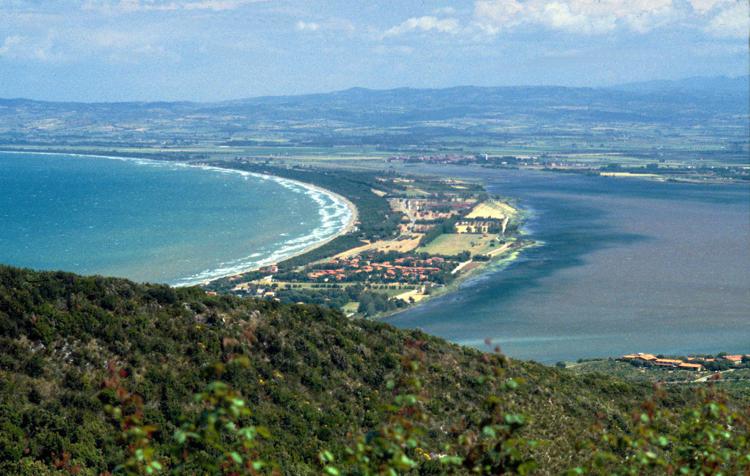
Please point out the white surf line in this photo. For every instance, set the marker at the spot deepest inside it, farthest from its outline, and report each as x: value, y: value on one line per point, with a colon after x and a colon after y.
x: 286, y: 250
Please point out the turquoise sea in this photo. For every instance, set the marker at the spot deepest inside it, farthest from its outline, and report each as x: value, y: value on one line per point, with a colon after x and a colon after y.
x: 623, y: 266
x: 153, y: 221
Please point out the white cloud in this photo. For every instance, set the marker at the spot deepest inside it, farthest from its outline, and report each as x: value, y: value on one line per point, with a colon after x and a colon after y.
x: 704, y: 6
x: 122, y: 46
x: 76, y: 44
x: 331, y: 24
x: 732, y: 21
x: 10, y: 44
x: 426, y: 23
x: 561, y: 17
x: 495, y: 15
x: 582, y: 16
x: 307, y: 26
x: 25, y: 48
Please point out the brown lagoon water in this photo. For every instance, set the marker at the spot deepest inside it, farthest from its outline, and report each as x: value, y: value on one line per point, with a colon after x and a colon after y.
x: 625, y: 266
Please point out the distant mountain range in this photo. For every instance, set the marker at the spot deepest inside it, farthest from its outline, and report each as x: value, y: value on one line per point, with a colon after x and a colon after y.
x: 738, y: 85
x: 700, y: 84
x: 341, y: 117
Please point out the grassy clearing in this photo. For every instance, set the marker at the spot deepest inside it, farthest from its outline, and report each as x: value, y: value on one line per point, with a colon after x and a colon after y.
x: 350, y: 308
x: 454, y: 243
x: 412, y: 295
x: 403, y: 244
x: 416, y: 192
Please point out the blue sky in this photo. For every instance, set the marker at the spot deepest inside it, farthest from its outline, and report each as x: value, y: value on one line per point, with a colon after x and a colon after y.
x: 115, y: 50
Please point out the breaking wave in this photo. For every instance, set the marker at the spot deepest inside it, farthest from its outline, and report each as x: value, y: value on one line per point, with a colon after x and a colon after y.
x: 334, y: 216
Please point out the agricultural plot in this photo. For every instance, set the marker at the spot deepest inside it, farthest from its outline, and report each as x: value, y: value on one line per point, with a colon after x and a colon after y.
x: 454, y: 243
x: 402, y: 244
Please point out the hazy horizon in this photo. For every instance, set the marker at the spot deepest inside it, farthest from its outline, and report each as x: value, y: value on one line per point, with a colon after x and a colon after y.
x: 396, y: 88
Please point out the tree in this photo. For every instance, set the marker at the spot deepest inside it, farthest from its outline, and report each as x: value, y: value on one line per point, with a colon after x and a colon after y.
x: 218, y: 439
x: 708, y: 438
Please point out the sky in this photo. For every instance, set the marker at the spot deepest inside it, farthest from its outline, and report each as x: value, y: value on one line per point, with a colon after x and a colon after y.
x: 208, y: 50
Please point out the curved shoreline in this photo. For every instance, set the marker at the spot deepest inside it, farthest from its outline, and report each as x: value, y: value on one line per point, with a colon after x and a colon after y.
x: 196, y: 279
x: 335, y: 197
x: 351, y: 222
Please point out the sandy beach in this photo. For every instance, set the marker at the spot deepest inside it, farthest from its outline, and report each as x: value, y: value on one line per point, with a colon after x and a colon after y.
x: 351, y: 222
x: 353, y: 217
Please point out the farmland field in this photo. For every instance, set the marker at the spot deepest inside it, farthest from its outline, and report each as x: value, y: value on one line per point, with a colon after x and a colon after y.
x: 454, y: 243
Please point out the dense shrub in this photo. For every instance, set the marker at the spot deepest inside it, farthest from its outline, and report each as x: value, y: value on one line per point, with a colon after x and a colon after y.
x: 317, y: 380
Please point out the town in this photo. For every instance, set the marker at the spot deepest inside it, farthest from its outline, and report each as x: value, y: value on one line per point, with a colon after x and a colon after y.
x: 719, y: 362
x: 446, y: 229
x: 585, y: 162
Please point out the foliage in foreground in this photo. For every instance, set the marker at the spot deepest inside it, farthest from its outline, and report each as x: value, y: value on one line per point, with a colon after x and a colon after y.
x: 352, y: 396
x: 705, y: 439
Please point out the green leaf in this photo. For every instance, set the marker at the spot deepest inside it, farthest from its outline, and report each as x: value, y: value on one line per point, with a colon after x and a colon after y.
x: 452, y: 460
x: 238, y: 402
x: 406, y: 462
x: 514, y: 419
x: 489, y: 432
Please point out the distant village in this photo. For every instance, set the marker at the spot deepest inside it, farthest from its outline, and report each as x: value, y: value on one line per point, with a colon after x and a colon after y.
x: 465, y: 159
x: 447, y: 229
x: 660, y: 169
x: 406, y: 269
x: 695, y: 363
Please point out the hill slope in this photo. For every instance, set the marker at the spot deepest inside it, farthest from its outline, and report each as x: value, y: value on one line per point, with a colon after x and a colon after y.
x: 315, y: 379
x: 395, y: 118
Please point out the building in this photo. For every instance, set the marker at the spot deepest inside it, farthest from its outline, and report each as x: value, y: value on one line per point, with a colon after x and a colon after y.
x: 667, y: 362
x: 735, y: 359
x: 640, y: 357
x: 689, y: 366
x: 478, y: 226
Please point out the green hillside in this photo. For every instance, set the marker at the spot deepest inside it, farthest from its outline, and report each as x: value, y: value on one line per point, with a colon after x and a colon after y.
x: 73, y: 347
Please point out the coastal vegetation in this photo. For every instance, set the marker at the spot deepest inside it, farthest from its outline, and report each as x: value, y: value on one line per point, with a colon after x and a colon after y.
x: 104, y: 375
x: 274, y: 372
x: 413, y: 236
x: 734, y: 372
